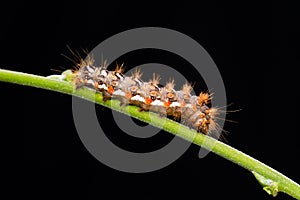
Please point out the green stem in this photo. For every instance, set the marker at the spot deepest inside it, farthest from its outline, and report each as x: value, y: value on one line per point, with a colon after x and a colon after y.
x: 284, y: 183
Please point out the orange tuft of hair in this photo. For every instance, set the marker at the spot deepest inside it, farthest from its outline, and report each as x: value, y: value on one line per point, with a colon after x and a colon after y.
x: 170, y: 85
x: 137, y: 73
x: 187, y: 88
x: 155, y: 79
x: 119, y: 69
x: 204, y: 98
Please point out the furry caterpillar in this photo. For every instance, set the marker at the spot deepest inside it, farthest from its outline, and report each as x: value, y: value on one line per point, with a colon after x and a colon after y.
x: 192, y: 111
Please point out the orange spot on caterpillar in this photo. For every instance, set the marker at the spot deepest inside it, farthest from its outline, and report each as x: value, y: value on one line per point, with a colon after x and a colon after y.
x: 110, y: 89
x: 128, y: 95
x: 167, y: 103
x: 148, y: 101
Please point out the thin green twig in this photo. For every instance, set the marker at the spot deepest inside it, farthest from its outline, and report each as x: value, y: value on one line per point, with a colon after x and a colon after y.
x: 272, y: 180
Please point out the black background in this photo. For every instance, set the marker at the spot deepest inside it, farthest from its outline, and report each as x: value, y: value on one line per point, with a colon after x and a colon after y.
x: 255, y: 47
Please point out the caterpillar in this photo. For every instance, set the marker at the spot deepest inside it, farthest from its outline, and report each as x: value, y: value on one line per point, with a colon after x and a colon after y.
x: 178, y: 105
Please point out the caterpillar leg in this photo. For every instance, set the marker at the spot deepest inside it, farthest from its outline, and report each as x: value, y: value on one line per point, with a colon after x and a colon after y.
x: 106, y: 95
